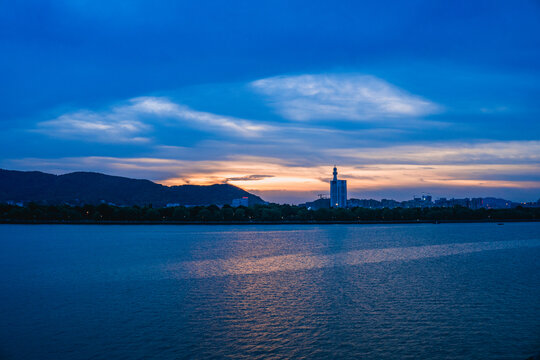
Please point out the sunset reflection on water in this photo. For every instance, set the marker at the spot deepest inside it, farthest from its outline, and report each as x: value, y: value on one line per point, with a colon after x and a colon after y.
x: 305, y: 261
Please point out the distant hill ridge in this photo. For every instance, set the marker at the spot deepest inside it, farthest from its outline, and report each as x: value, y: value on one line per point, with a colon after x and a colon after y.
x: 93, y: 188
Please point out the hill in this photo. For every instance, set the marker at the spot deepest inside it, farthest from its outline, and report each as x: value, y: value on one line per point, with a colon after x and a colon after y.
x: 94, y: 188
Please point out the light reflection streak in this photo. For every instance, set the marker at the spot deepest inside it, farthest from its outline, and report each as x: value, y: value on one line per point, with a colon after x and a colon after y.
x: 296, y: 262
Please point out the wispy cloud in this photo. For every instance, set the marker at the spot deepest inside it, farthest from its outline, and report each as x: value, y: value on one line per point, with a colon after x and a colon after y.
x: 494, y: 110
x: 428, y: 167
x: 166, y: 108
x: 279, y: 156
x: 500, y: 152
x: 107, y: 127
x: 249, y: 178
x: 340, y: 97
x: 135, y: 120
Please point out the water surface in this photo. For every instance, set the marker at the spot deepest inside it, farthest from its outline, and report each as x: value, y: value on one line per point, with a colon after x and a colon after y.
x: 448, y: 291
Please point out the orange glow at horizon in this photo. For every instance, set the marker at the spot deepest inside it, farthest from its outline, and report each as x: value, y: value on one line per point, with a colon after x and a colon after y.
x: 286, y: 178
x: 516, y: 166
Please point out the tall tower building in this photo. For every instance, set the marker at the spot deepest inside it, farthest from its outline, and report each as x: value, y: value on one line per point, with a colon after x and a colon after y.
x: 338, y: 191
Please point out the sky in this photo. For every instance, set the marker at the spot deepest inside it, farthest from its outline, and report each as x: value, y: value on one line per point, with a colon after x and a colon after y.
x: 404, y: 97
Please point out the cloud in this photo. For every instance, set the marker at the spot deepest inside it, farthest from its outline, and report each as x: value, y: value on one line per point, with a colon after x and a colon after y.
x: 230, y: 124
x: 249, y: 178
x: 288, y: 156
x: 85, y: 125
x: 495, y: 152
x: 163, y: 107
x: 135, y: 119
x: 146, y: 119
x: 340, y: 97
x: 494, y: 110
x: 446, y: 172
x: 160, y: 106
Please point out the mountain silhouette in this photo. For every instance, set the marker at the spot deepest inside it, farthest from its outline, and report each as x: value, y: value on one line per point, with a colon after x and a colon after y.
x: 92, y: 188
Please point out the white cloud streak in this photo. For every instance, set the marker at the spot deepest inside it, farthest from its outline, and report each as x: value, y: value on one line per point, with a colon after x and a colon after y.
x: 112, y: 127
x: 134, y: 121
x: 495, y: 152
x: 304, y: 97
x: 164, y: 107
x: 340, y: 97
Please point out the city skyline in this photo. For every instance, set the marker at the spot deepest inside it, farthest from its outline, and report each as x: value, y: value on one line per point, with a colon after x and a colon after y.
x: 269, y: 97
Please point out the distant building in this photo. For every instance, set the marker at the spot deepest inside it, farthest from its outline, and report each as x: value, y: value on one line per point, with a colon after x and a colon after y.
x: 322, y: 203
x: 243, y: 201
x: 477, y: 203
x: 338, y: 191
x: 494, y: 203
x: 531, y: 204
x: 364, y: 203
x: 389, y: 203
x: 427, y: 199
x: 418, y: 202
x: 444, y: 202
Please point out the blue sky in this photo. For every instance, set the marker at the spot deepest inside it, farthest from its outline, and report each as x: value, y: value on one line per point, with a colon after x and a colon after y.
x: 405, y: 97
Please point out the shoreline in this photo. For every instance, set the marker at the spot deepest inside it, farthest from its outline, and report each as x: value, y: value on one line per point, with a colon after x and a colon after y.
x: 359, y: 222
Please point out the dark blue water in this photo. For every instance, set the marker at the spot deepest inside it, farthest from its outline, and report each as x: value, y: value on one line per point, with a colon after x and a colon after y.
x: 455, y: 291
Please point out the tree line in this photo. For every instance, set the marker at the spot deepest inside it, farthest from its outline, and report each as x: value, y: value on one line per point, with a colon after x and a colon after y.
x: 271, y: 213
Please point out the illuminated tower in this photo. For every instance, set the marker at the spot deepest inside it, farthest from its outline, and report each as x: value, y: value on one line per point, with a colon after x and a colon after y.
x: 338, y: 191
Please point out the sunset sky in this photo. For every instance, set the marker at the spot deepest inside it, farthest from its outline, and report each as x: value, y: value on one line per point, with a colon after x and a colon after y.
x: 405, y: 97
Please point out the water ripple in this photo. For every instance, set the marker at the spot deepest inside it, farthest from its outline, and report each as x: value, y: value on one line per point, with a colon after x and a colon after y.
x: 295, y: 262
